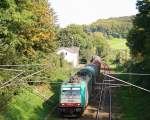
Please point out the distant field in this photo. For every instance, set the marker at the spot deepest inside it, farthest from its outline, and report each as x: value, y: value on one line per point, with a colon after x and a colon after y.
x: 118, y: 43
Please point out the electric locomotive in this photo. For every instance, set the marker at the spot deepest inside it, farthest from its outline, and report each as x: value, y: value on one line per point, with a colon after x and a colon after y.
x: 75, y: 93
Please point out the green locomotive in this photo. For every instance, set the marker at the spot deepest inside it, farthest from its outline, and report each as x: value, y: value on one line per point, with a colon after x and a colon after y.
x: 75, y: 93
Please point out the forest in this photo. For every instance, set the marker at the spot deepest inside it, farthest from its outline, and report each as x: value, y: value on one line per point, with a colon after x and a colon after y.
x: 112, y: 27
x: 30, y: 67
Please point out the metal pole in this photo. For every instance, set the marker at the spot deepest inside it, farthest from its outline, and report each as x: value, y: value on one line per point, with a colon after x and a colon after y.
x: 110, y: 104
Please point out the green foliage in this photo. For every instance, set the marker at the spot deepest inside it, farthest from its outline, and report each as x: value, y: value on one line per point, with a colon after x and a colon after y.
x: 24, y: 107
x: 135, y: 105
x: 101, y: 44
x: 116, y: 43
x: 89, y: 43
x: 25, y: 27
x: 113, y: 27
x: 27, y: 36
x: 73, y: 35
x: 139, y: 40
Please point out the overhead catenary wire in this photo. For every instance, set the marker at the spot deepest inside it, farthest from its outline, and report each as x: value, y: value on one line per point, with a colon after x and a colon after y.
x: 117, y: 79
x: 136, y: 74
x: 24, y: 65
x: 5, y: 84
x: 21, y: 80
x: 28, y: 76
x: 116, y: 84
x: 103, y: 89
x: 57, y: 82
x: 15, y: 70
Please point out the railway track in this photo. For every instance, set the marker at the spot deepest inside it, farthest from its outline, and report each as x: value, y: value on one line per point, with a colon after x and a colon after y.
x: 98, y: 108
x: 89, y: 113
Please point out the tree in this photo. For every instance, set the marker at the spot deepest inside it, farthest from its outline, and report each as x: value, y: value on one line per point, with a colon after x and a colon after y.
x: 139, y: 36
x: 26, y: 27
x: 139, y: 39
x: 27, y: 33
x: 112, y: 27
x: 73, y: 35
x: 101, y: 44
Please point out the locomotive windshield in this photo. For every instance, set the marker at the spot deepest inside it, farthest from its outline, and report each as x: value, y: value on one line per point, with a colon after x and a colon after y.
x: 71, y: 91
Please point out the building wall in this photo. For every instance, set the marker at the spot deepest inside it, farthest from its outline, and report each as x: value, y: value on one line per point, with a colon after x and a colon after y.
x: 70, y: 57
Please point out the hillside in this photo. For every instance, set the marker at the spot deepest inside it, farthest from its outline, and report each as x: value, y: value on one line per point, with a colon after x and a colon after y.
x: 113, y: 27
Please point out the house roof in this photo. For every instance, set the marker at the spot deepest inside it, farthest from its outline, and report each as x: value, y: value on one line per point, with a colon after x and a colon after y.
x: 71, y: 49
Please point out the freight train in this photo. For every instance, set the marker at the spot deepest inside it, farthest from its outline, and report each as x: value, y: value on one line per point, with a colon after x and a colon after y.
x: 75, y: 93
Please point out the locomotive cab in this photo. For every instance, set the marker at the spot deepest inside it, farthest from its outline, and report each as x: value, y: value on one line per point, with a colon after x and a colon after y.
x: 75, y: 93
x: 70, y: 99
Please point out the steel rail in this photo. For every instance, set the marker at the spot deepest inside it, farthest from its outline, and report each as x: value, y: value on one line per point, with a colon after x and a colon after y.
x: 110, y: 103
x: 100, y: 102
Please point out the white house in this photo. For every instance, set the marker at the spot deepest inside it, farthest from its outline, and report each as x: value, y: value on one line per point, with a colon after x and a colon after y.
x: 70, y: 54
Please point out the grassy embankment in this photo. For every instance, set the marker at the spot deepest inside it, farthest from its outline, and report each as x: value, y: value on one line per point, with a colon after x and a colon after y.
x: 34, y: 102
x: 134, y: 103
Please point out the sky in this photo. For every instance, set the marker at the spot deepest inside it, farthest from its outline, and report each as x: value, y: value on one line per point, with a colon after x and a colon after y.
x: 88, y: 11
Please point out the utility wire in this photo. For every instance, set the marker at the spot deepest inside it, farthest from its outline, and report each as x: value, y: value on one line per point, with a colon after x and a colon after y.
x: 42, y: 81
x: 138, y: 74
x: 128, y: 83
x: 28, y: 76
x: 15, y: 70
x: 5, y: 84
x: 24, y: 65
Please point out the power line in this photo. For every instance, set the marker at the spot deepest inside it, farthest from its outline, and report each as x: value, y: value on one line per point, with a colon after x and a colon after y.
x: 138, y: 74
x: 43, y: 81
x: 5, y: 84
x: 128, y: 83
x: 15, y: 70
x: 28, y: 76
x: 24, y: 65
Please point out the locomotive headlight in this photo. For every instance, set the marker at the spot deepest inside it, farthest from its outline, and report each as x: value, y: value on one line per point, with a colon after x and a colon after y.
x: 62, y: 104
x: 78, y: 104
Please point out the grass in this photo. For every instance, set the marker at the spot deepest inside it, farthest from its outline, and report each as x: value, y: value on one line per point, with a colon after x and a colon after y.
x: 30, y: 106
x: 135, y: 104
x: 116, y: 43
x: 26, y: 106
x: 118, y: 50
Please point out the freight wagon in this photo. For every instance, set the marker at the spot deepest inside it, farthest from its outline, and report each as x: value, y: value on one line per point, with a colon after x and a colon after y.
x: 75, y: 93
